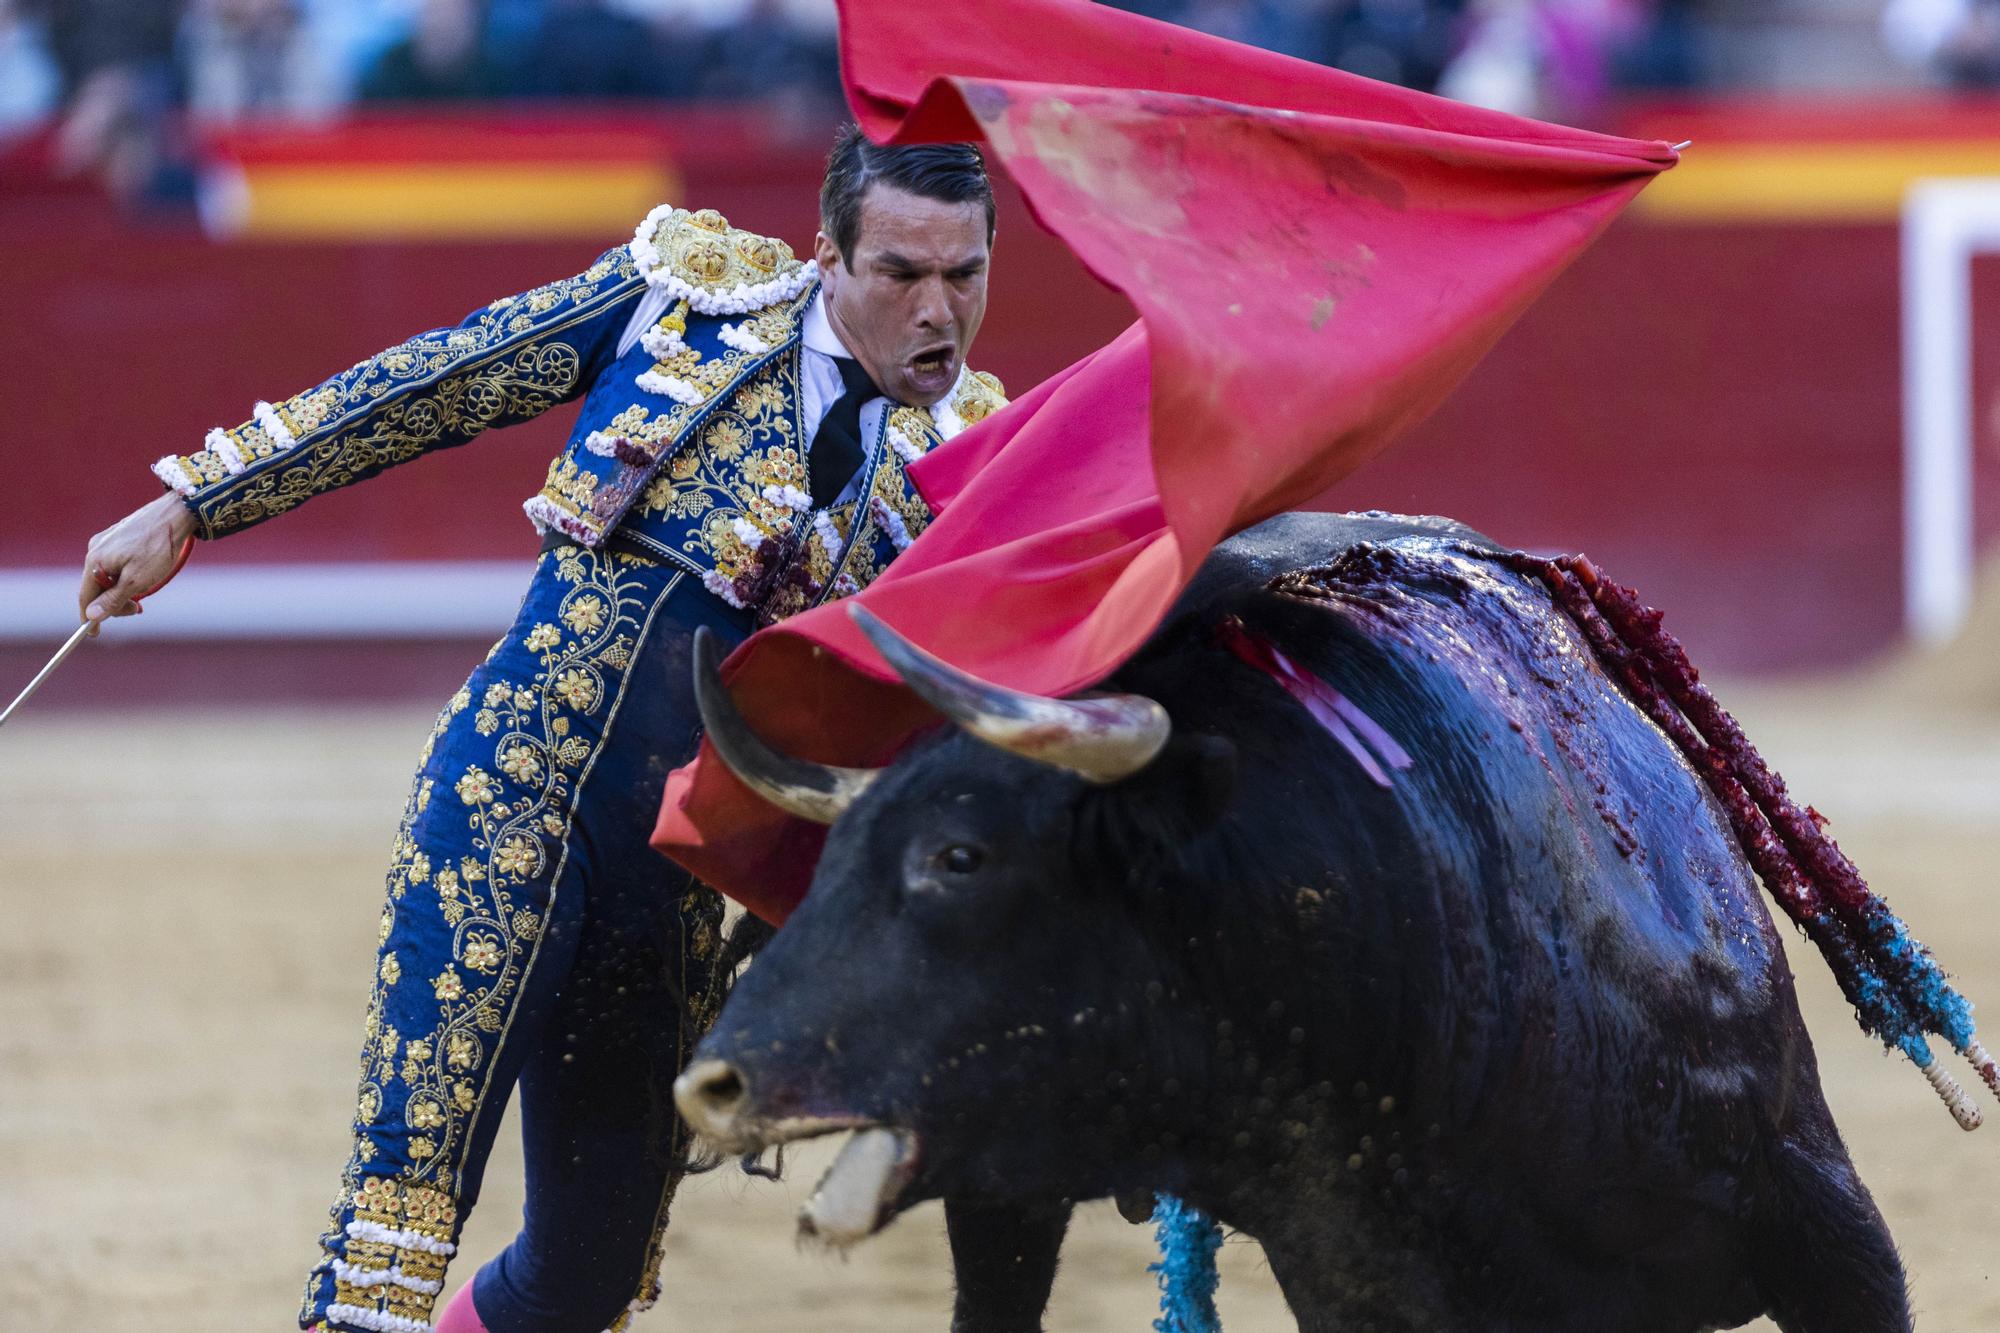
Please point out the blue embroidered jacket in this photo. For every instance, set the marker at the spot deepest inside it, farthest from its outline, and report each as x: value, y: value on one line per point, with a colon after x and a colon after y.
x: 690, y: 445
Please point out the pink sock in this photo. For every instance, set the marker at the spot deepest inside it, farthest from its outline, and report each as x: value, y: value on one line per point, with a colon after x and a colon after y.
x: 459, y: 1316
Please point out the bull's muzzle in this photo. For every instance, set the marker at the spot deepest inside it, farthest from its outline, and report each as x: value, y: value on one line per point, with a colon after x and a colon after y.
x: 711, y: 1095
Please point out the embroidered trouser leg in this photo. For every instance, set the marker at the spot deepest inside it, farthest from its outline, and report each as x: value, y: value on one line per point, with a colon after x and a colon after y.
x: 522, y: 897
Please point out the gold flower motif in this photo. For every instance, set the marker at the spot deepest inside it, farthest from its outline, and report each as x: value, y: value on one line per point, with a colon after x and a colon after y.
x: 391, y: 971
x: 425, y: 1113
x: 476, y: 787
x: 461, y: 1050
x: 521, y: 763
x: 422, y: 1146
x: 482, y: 953
x: 388, y: 924
x: 577, y: 690
x: 462, y: 1096
x: 447, y: 882
x: 539, y: 638
x: 496, y: 695
x: 585, y: 615
x: 447, y: 985
x: 471, y: 869
x: 518, y: 856
x: 369, y: 1106
x: 727, y: 438
x: 419, y: 1049
x: 420, y: 868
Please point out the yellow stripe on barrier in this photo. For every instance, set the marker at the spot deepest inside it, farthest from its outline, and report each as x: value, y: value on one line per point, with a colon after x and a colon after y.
x: 393, y: 202
x: 1826, y: 182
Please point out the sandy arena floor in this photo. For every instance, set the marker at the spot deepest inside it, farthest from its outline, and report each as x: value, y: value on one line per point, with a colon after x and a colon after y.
x: 190, y: 907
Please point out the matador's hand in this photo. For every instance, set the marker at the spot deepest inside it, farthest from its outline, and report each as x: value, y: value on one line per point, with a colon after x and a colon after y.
x: 132, y: 557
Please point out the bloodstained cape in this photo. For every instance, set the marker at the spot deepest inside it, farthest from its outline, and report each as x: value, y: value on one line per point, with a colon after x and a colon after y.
x: 1316, y: 259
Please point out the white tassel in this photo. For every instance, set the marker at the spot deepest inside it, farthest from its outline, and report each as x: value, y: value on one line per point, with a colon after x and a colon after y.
x: 740, y: 337
x: 890, y: 521
x: 791, y: 497
x: 359, y: 1229
x: 274, y: 426
x: 356, y: 1276
x: 722, y: 587
x: 380, y: 1320
x: 545, y: 513
x: 677, y: 389
x: 906, y: 448
x: 752, y: 536
x: 600, y: 443
x: 171, y: 473
x: 661, y: 344
x: 829, y: 536
x: 219, y: 443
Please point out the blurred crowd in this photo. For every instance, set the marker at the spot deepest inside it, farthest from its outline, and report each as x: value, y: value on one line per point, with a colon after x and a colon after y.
x: 113, y: 75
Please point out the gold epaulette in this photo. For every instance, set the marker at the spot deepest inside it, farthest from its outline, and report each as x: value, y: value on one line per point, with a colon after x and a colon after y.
x: 979, y: 396
x: 717, y: 269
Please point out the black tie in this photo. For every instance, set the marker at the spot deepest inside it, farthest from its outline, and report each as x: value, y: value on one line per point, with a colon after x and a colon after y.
x: 836, y: 451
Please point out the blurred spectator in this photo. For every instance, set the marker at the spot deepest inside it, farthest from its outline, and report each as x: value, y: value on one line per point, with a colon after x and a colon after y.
x: 29, y: 80
x: 765, y: 56
x: 582, y: 48
x: 251, y: 57
x: 119, y: 121
x: 445, y: 57
x: 1956, y: 40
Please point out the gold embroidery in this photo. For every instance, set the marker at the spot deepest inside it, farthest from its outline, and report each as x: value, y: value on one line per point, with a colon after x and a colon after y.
x: 703, y: 250
x: 517, y: 808
x: 979, y: 397
x: 445, y: 385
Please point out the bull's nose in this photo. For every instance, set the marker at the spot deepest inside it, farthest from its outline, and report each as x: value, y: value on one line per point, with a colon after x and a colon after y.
x: 709, y: 1094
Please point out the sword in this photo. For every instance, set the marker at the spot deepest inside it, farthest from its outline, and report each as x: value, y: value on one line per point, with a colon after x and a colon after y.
x: 68, y: 647
x: 69, y: 644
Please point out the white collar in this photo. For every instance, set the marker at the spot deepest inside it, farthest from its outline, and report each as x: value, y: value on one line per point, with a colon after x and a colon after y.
x: 818, y: 336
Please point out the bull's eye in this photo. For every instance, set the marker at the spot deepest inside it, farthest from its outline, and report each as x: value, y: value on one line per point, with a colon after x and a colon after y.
x: 960, y: 859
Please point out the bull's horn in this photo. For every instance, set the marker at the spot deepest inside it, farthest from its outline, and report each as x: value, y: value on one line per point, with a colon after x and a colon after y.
x: 1102, y: 739
x: 819, y: 792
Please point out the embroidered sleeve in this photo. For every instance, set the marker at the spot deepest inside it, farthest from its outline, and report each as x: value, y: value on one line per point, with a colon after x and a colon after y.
x: 513, y: 360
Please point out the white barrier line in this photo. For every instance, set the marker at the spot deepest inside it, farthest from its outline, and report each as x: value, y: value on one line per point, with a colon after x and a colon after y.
x: 429, y: 600
x: 1945, y: 223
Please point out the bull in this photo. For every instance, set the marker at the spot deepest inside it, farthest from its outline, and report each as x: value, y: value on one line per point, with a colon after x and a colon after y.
x: 1506, y: 1041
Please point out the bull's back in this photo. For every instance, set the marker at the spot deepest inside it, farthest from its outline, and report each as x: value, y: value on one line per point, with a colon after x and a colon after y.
x: 1550, y: 854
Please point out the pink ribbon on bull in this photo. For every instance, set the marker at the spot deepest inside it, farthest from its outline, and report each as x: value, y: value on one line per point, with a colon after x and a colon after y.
x: 1358, y: 733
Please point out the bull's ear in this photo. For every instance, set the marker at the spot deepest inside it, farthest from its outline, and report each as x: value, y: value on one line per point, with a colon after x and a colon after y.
x: 1183, y: 792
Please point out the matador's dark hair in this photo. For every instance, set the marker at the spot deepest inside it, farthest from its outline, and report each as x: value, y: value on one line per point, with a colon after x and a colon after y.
x: 952, y: 172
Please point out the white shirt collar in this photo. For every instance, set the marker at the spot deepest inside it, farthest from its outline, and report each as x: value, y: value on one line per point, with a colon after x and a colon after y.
x: 818, y: 336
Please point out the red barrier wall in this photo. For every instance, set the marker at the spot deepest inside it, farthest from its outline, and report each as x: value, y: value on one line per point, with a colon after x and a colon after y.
x: 1711, y: 410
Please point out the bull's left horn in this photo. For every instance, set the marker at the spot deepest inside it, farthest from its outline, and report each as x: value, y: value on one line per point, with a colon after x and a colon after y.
x: 819, y: 792
x: 1101, y: 739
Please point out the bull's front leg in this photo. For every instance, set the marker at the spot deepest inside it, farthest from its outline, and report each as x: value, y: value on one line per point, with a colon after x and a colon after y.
x: 1003, y: 1259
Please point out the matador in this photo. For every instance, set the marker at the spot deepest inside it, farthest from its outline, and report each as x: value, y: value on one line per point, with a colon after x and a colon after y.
x: 741, y: 454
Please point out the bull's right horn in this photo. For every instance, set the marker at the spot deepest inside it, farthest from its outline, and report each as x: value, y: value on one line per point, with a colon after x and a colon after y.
x: 819, y: 792
x: 1101, y: 739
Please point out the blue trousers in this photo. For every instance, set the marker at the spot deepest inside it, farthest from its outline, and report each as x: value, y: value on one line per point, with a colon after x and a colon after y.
x: 531, y: 935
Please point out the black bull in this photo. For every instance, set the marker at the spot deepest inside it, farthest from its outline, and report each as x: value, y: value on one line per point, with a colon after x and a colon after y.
x: 1510, y: 1044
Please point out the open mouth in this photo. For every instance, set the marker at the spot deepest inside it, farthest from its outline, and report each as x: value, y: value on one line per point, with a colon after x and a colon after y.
x: 857, y: 1195
x: 933, y: 366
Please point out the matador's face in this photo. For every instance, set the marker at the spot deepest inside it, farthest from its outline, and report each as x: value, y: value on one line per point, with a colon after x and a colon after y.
x: 909, y: 299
